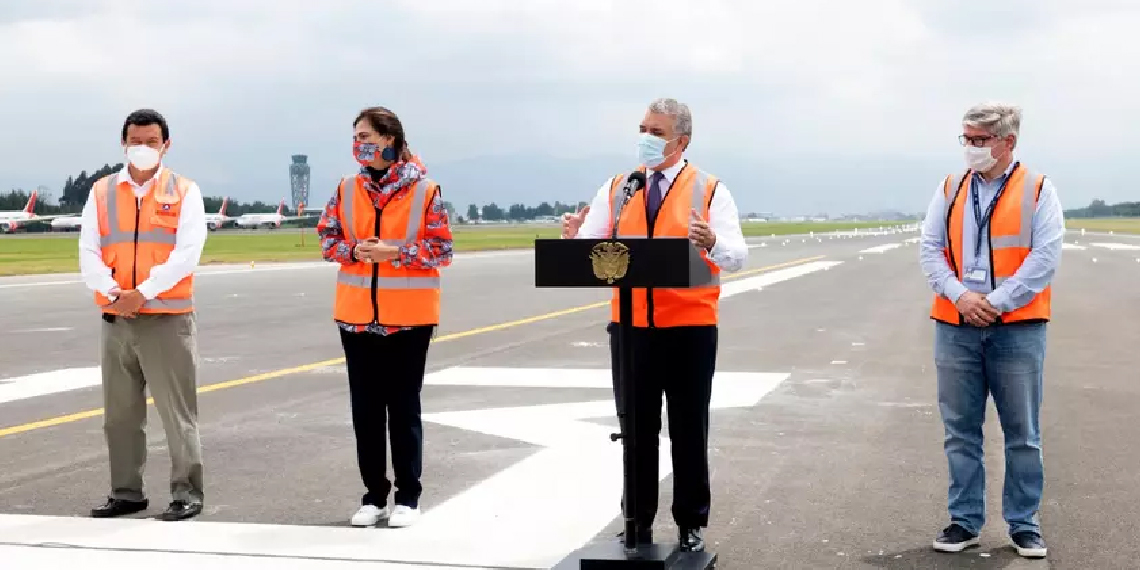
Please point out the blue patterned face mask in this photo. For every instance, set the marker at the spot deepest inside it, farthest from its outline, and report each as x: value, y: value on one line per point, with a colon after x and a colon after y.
x: 651, y: 150
x: 366, y: 152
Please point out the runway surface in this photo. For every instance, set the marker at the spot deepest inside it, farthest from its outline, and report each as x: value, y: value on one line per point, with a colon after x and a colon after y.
x: 826, y: 444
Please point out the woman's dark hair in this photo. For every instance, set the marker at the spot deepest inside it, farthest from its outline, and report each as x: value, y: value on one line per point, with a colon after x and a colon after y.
x: 386, y: 123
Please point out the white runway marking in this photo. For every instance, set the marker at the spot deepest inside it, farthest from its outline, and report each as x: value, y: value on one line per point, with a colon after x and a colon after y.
x: 1118, y: 246
x: 1067, y: 245
x: 758, y: 282
x: 560, y: 497
x: 881, y: 248
x: 44, y: 329
x: 45, y: 383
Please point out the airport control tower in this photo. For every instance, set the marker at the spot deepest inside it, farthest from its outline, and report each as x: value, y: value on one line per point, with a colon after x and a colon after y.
x: 299, y: 180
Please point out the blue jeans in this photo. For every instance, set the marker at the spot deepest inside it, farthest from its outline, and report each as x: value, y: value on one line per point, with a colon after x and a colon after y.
x: 1007, y: 362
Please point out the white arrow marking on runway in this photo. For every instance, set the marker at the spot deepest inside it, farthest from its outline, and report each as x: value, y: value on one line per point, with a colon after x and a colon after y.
x: 881, y: 248
x: 537, y: 511
x: 529, y: 515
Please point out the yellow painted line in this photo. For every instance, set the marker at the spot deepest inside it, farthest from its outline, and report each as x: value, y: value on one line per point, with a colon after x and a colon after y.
x: 50, y: 422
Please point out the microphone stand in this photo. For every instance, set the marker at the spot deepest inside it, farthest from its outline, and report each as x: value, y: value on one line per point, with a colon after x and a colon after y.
x: 626, y: 410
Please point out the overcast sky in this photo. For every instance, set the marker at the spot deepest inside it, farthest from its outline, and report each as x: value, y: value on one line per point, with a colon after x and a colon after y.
x: 804, y: 106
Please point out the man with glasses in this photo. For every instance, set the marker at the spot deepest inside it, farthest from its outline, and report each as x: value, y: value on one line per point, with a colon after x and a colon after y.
x: 991, y: 243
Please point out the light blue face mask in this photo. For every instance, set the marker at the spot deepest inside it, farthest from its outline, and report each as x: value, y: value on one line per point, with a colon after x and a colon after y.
x: 651, y: 150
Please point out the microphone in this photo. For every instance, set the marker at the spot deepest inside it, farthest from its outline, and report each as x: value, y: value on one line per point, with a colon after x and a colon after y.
x: 635, y: 182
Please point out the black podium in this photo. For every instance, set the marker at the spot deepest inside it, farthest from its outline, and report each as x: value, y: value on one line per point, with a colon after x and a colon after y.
x: 625, y: 264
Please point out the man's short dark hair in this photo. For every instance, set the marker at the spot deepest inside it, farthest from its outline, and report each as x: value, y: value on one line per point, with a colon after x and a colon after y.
x: 145, y: 117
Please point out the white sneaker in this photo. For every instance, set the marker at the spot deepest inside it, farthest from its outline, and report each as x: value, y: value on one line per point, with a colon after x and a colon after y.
x: 369, y: 515
x: 403, y: 515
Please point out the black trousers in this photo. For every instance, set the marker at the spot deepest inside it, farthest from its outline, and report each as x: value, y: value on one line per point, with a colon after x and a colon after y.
x: 385, y: 377
x: 678, y: 362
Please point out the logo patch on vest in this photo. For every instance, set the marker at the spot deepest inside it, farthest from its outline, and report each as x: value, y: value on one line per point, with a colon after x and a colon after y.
x: 165, y: 210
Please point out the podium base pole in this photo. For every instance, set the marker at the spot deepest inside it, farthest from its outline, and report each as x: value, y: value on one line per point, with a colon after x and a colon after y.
x: 613, y: 555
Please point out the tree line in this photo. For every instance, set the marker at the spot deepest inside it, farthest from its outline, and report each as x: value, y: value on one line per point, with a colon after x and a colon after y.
x: 1098, y: 209
x: 78, y: 187
x: 492, y: 212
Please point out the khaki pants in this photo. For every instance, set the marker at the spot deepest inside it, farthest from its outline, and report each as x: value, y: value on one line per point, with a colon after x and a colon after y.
x: 159, y: 352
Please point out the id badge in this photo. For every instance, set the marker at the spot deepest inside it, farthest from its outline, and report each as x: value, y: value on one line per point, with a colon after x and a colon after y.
x: 976, y: 275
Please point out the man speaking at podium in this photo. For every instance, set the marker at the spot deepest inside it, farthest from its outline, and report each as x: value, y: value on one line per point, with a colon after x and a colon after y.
x: 675, y: 330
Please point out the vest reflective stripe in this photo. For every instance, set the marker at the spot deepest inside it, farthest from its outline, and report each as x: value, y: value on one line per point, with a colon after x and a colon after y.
x: 382, y: 293
x: 1010, y: 239
x: 693, y: 306
x: 132, y: 256
x: 387, y: 282
x: 169, y: 305
x: 154, y: 236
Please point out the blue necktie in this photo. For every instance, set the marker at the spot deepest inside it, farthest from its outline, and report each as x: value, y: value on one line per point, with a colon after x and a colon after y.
x: 653, y: 201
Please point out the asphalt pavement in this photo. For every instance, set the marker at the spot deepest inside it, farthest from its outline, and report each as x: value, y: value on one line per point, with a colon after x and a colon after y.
x: 826, y: 444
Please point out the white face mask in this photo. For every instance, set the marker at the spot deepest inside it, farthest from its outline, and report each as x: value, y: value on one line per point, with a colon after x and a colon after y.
x: 980, y: 158
x: 143, y: 157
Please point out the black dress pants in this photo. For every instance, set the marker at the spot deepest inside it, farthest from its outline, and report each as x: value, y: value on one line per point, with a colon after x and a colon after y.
x: 385, y: 377
x: 678, y: 362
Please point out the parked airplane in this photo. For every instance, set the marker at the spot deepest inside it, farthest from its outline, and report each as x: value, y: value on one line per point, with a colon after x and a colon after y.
x: 215, y: 221
x: 67, y: 224
x: 10, y: 221
x: 272, y: 221
x: 73, y: 223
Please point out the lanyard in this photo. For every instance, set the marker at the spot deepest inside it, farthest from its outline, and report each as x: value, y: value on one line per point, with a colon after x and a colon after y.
x: 982, y: 221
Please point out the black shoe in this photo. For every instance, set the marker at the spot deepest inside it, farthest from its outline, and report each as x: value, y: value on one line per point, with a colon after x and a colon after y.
x: 119, y: 507
x: 954, y: 538
x: 1029, y: 544
x: 182, y: 510
x: 642, y: 535
x: 691, y: 540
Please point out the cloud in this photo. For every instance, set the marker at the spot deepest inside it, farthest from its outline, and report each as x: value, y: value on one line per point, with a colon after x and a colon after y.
x: 848, y: 89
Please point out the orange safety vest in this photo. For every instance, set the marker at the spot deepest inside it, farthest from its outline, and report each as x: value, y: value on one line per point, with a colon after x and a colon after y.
x: 691, y: 189
x: 1010, y: 237
x: 379, y: 293
x: 137, y: 234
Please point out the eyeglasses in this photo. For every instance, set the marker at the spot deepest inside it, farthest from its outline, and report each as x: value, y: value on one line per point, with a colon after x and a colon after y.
x: 975, y: 141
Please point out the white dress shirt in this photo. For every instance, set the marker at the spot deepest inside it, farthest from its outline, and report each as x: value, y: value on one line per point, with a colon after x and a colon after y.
x: 729, y: 252
x: 182, y: 261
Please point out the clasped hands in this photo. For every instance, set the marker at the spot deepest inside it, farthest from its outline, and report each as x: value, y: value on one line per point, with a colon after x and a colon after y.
x: 127, y: 304
x: 977, y: 310
x: 699, y: 231
x: 372, y: 250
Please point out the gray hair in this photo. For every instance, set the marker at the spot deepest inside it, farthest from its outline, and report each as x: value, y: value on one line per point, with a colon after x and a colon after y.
x: 682, y: 118
x: 998, y: 119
